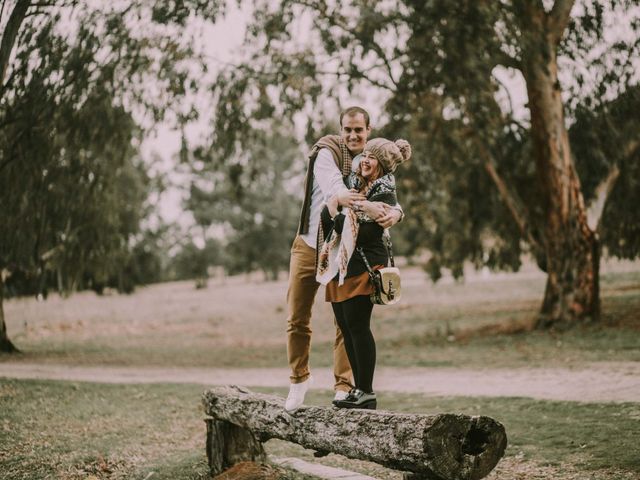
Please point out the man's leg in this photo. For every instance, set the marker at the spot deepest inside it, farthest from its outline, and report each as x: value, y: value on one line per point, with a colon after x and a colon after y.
x: 300, y: 296
x: 341, y: 367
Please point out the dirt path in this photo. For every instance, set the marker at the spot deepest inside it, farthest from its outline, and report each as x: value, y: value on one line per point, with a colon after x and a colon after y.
x: 598, y: 382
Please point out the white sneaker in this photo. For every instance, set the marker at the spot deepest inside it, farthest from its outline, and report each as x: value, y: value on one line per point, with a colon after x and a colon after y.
x: 340, y: 395
x: 297, y: 391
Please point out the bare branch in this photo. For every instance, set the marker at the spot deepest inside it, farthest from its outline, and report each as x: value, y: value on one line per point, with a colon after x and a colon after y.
x: 532, y: 7
x: 36, y: 12
x: 387, y: 63
x: 501, y: 83
x: 11, y: 34
x: 596, y: 207
x: 558, y: 18
x: 360, y: 76
x: 514, y: 205
x: 5, y: 86
x: 2, y: 10
x: 508, y: 61
x: 377, y: 49
x: 631, y: 148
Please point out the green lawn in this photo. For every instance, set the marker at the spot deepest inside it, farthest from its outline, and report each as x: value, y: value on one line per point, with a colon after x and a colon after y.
x: 85, y: 431
x: 71, y: 430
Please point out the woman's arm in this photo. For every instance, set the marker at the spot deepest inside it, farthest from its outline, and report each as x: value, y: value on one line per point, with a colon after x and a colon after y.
x: 332, y: 205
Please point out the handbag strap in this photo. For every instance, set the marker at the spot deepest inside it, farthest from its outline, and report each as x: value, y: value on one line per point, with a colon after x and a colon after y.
x: 389, y: 248
x: 387, y: 238
x: 366, y: 262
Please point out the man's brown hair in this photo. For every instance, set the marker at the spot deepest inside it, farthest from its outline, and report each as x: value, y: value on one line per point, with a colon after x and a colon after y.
x: 354, y: 111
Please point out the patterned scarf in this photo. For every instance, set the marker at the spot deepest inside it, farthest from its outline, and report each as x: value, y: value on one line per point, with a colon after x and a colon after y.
x: 345, y: 167
x: 347, y: 158
x: 335, y: 253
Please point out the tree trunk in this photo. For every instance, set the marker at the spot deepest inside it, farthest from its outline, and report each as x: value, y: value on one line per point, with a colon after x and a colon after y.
x: 228, y: 444
x: 572, y: 248
x: 437, y: 447
x: 572, y: 292
x: 5, y: 344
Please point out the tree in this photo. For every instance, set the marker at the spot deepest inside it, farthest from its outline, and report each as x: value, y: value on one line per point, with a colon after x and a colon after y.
x: 442, y: 63
x: 248, y: 194
x: 67, y: 204
x: 72, y: 184
x: 193, y: 263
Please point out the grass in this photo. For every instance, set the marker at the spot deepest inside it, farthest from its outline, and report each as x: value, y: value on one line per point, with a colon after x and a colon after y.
x: 447, y: 324
x: 68, y: 430
x: 73, y: 430
x: 595, y: 436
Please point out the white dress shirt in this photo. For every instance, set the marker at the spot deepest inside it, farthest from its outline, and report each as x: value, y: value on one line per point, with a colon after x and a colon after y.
x: 327, y: 181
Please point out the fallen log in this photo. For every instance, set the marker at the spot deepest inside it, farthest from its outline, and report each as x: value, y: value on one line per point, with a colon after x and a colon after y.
x: 434, y: 447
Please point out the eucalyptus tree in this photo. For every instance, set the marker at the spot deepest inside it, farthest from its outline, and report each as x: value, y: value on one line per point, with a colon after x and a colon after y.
x: 489, y: 180
x: 80, y: 83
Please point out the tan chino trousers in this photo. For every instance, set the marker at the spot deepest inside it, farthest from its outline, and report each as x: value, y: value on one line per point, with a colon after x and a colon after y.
x: 300, y: 297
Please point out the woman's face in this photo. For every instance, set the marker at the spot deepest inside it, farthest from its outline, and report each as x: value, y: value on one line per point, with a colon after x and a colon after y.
x: 369, y: 166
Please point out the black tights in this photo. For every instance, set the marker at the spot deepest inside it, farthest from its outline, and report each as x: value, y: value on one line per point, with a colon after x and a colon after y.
x: 354, y: 319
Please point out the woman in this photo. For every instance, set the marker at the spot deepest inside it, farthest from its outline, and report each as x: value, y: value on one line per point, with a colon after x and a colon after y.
x: 347, y: 235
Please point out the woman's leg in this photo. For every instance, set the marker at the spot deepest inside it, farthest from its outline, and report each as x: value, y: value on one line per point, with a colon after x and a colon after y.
x: 338, y: 310
x: 357, y: 314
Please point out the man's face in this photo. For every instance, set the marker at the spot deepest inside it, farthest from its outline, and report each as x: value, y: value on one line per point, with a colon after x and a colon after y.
x: 354, y: 132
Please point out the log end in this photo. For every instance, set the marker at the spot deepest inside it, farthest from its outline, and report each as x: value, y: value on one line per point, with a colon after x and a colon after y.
x: 465, y: 447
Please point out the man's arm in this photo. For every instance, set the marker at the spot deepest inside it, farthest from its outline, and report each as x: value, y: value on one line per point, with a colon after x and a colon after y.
x: 392, y: 216
x: 385, y: 215
x: 329, y: 178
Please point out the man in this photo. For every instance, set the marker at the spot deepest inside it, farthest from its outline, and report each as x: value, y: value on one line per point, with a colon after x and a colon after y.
x: 331, y: 158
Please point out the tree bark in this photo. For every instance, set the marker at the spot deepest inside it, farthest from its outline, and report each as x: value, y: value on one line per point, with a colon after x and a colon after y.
x: 5, y: 344
x: 572, y: 248
x: 437, y: 447
x: 228, y: 444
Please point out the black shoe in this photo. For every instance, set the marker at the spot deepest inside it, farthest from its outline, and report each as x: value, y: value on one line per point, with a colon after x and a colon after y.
x: 358, y: 399
x: 335, y: 400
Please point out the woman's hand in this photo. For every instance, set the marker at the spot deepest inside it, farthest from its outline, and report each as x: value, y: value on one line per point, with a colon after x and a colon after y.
x: 373, y: 210
x: 390, y: 218
x: 348, y: 198
x: 383, y: 214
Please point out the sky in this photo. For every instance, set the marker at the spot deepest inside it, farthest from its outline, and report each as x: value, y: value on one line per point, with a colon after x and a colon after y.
x: 220, y: 42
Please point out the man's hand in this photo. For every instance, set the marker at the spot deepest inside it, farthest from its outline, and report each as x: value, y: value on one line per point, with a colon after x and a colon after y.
x: 390, y: 218
x: 373, y: 210
x: 348, y: 198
